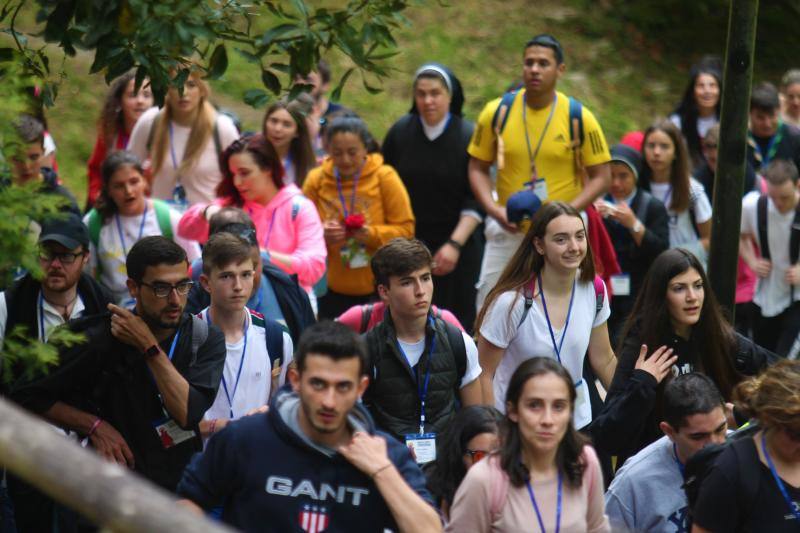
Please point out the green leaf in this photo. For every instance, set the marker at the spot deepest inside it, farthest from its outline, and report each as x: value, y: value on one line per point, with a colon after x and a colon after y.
x: 271, y: 81
x: 298, y: 88
x: 256, y: 98
x: 300, y: 6
x: 248, y: 56
x: 336, y: 95
x: 218, y: 63
x: 280, y: 67
x: 370, y: 89
x: 278, y: 31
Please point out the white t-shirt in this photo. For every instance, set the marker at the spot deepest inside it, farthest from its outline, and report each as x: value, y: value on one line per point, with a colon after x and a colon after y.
x: 703, y: 123
x: 113, y: 250
x: 681, y: 231
x: 45, y: 324
x: 532, y: 339
x: 772, y: 293
x: 413, y: 351
x: 201, y: 181
x: 255, y: 382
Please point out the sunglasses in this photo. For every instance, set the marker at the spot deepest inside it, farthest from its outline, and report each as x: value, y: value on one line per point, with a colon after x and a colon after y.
x: 476, y: 455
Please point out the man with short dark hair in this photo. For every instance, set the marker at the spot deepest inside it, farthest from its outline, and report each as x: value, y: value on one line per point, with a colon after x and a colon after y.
x: 542, y: 142
x: 314, y: 461
x: 28, y: 164
x: 65, y: 293
x: 772, y: 222
x: 769, y: 138
x: 422, y: 368
x: 143, y: 380
x: 647, y: 492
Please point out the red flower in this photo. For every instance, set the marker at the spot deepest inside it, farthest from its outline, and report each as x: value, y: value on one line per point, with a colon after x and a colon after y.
x: 354, y: 222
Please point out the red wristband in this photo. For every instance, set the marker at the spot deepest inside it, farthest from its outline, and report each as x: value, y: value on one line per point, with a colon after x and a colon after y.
x: 94, y: 427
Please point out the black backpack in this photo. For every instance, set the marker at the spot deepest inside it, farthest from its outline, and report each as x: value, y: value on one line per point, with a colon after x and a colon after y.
x: 701, y: 463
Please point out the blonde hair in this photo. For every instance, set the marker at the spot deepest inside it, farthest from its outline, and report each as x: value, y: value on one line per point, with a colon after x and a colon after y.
x: 201, y: 130
x: 773, y: 397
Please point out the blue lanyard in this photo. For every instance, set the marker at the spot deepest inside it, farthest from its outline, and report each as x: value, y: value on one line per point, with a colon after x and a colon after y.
x: 536, y: 507
x: 772, y: 147
x: 422, y: 392
x: 287, y: 164
x: 230, y: 397
x: 678, y: 462
x: 667, y: 197
x: 557, y: 347
x: 141, y: 229
x: 341, y: 193
x: 153, y: 379
x: 269, y: 231
x: 778, y: 480
x: 532, y: 155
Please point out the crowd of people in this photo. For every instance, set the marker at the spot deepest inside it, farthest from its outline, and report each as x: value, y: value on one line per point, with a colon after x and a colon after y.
x: 494, y: 326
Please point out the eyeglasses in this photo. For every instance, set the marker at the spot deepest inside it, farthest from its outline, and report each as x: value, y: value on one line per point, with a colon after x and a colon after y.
x: 65, y: 258
x: 476, y: 455
x: 162, y: 290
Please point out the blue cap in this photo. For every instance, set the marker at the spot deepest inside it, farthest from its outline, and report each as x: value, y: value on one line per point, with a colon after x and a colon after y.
x: 522, y: 205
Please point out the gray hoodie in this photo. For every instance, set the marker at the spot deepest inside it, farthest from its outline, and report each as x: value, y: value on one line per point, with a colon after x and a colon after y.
x: 647, y: 495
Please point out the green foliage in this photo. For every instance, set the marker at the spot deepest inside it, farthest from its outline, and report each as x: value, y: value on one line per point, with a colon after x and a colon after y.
x: 25, y: 359
x: 165, y: 39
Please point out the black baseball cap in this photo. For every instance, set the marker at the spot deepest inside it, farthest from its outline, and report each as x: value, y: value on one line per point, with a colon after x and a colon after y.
x: 68, y: 231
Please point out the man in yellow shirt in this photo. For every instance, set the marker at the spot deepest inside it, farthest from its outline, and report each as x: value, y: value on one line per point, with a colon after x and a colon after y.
x: 537, y: 152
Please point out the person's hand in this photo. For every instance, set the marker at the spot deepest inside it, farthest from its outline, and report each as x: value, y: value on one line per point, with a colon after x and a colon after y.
x: 622, y: 213
x: 761, y: 267
x: 366, y: 452
x: 603, y: 207
x: 729, y: 416
x: 334, y: 232
x: 110, y: 445
x: 446, y: 259
x: 257, y: 410
x: 658, y: 364
x: 500, y: 215
x: 130, y: 329
x: 792, y: 276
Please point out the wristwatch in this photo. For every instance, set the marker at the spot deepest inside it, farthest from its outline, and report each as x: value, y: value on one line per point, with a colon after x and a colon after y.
x: 151, y: 351
x: 637, y: 227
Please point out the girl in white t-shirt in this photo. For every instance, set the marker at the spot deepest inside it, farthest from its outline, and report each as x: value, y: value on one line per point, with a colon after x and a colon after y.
x: 547, y: 303
x: 121, y: 217
x: 666, y: 175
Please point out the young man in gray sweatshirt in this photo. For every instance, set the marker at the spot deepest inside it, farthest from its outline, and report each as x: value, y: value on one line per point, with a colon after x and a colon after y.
x: 647, y: 493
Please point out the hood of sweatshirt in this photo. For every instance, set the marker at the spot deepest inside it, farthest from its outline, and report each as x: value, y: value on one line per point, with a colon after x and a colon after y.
x: 283, y: 414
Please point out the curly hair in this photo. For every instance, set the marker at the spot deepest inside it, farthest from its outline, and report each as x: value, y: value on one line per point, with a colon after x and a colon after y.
x: 773, y: 397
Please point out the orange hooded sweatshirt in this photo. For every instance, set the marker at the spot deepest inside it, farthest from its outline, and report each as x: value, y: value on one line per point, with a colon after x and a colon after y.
x: 383, y: 200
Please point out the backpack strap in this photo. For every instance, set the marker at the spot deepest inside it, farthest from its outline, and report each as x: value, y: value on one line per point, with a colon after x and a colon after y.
x: 295, y: 207
x: 501, y: 113
x: 644, y: 204
x: 761, y: 223
x: 217, y: 141
x: 199, y: 335
x: 366, y: 314
x: 163, y: 218
x: 273, y: 333
x: 456, y: 341
x: 575, y: 122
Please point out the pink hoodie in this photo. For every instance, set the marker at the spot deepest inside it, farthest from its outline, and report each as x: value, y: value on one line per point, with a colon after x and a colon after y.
x: 288, y: 224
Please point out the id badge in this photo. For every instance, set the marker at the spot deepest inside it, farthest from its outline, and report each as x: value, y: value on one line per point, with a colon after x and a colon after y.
x: 359, y: 260
x: 621, y: 284
x: 423, y: 445
x: 170, y: 433
x: 540, y: 189
x: 178, y: 201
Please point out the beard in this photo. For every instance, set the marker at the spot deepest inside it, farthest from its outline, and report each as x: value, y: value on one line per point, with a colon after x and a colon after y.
x: 159, y: 320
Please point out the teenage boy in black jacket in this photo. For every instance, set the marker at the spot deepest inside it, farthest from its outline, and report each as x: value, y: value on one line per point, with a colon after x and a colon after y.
x: 314, y: 461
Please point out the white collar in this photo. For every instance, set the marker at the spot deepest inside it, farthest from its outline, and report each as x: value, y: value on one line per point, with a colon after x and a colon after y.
x: 433, y: 132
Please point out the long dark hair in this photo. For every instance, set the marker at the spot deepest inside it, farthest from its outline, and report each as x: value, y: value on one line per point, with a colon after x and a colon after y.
x: 104, y: 205
x: 528, y: 262
x: 263, y: 154
x: 570, y: 449
x: 448, y: 471
x: 300, y: 149
x: 680, y: 171
x: 687, y: 108
x: 712, y: 336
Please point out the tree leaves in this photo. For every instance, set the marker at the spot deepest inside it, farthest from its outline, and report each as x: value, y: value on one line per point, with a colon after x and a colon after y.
x: 218, y: 63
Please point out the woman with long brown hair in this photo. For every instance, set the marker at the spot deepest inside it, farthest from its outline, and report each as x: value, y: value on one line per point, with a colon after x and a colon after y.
x: 545, y: 473
x: 667, y: 176
x: 182, y: 142
x: 768, y: 462
x: 548, y: 302
x: 286, y: 127
x: 676, y: 309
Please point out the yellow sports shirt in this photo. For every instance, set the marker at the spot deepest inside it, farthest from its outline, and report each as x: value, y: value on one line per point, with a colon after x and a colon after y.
x: 554, y: 162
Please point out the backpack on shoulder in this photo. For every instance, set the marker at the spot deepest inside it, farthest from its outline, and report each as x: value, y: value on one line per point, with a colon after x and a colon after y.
x: 599, y: 299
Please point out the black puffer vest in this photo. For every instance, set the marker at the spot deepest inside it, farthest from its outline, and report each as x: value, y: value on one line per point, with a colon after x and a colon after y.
x: 393, y: 398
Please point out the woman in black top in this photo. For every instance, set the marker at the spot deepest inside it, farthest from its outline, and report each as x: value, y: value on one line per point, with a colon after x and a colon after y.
x: 754, y: 483
x: 428, y: 148
x: 677, y: 309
